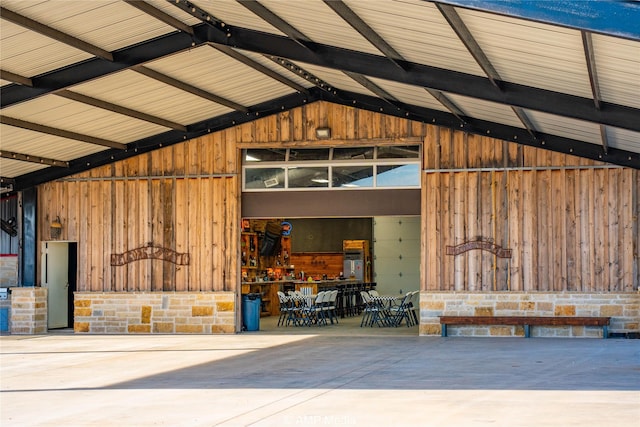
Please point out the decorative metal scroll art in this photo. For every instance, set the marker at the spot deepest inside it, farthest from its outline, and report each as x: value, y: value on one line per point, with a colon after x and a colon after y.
x: 484, y: 245
x: 150, y: 252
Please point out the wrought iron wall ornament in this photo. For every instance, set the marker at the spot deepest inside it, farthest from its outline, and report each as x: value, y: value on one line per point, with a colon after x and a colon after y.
x: 484, y: 245
x: 150, y: 252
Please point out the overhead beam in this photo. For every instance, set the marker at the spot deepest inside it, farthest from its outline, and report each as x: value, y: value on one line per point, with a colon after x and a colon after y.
x: 449, y: 81
x: 165, y: 139
x: 613, y: 18
x: 65, y: 38
x: 98, y: 103
x: 160, y: 15
x: 33, y: 159
x: 15, y: 78
x: 189, y: 88
x: 351, y: 18
x: 420, y: 75
x: 447, y: 103
x: 302, y: 73
x: 590, y: 58
x: 60, y: 132
x: 465, y: 36
x: 371, y: 86
x: 370, y: 103
x: 95, y: 68
x: 274, y: 20
x: 258, y: 67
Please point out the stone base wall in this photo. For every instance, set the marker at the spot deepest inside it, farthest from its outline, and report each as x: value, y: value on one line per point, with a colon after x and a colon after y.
x: 622, y: 307
x: 28, y: 311
x: 154, y: 312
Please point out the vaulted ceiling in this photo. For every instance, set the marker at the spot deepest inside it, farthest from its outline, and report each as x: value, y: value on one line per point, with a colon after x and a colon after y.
x: 85, y: 83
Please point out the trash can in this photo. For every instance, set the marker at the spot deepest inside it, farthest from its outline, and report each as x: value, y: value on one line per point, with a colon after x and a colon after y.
x: 251, y: 305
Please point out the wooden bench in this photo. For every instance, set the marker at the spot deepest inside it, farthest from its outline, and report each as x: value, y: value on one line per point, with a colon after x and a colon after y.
x: 526, y: 321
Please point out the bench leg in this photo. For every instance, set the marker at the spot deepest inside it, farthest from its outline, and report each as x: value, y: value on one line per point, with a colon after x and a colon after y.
x: 444, y: 330
x: 605, y: 332
x: 527, y: 331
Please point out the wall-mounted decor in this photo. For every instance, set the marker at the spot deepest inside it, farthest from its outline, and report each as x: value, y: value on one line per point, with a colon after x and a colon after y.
x: 484, y: 245
x: 150, y: 252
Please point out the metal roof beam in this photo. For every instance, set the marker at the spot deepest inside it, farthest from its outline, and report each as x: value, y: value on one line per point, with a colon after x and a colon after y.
x: 15, y: 78
x: 447, y: 103
x: 33, y: 159
x: 351, y: 18
x: 465, y: 36
x: 258, y: 67
x: 189, y: 88
x: 166, y: 139
x: 590, y: 57
x: 368, y: 84
x: 54, y: 34
x: 449, y: 81
x: 120, y: 109
x: 60, y: 132
x: 613, y: 18
x: 95, y: 68
x: 494, y: 130
x: 279, y: 23
x: 160, y: 15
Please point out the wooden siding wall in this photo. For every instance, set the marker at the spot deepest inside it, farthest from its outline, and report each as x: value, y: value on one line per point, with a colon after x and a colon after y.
x: 572, y: 224
x: 186, y: 198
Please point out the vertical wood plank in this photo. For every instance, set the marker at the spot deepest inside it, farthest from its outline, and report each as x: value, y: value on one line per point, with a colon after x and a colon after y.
x: 630, y: 210
x: 614, y: 193
x: 182, y: 233
x: 516, y: 226
x: 572, y: 244
x: 195, y: 234
x: 559, y: 233
x: 487, y: 230
x: 529, y: 232
x: 600, y: 232
x: 474, y: 231
x: 459, y: 211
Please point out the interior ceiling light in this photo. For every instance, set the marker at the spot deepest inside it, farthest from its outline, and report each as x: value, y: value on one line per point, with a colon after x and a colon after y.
x: 320, y: 180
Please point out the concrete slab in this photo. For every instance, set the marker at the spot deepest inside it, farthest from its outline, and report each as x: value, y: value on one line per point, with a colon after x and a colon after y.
x: 312, y: 379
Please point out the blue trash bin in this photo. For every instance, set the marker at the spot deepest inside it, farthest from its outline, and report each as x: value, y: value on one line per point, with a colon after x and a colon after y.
x: 251, y: 306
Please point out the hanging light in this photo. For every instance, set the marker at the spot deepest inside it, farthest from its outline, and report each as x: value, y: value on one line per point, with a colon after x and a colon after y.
x: 56, y: 228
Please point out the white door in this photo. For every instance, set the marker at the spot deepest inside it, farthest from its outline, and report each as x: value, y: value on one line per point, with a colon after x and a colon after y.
x: 55, y: 277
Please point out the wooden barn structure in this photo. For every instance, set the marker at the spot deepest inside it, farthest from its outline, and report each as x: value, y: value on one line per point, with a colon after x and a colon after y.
x: 124, y: 126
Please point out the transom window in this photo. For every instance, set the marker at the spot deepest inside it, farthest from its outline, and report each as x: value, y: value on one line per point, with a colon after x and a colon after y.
x: 341, y: 168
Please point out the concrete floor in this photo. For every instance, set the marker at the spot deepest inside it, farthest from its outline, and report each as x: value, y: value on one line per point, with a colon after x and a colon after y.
x: 341, y: 375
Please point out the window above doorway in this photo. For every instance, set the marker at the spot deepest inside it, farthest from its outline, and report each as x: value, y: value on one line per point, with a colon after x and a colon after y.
x: 341, y: 168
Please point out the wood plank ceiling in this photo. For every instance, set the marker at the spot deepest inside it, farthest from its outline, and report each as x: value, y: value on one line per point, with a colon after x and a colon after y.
x: 86, y: 83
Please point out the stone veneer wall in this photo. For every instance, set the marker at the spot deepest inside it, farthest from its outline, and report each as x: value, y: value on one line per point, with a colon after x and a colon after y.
x: 154, y: 312
x: 622, y: 307
x: 28, y: 311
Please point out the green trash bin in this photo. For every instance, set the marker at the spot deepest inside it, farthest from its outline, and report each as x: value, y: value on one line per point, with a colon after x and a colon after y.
x: 251, y: 307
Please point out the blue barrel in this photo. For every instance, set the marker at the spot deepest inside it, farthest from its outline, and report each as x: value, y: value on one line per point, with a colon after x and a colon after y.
x: 251, y: 304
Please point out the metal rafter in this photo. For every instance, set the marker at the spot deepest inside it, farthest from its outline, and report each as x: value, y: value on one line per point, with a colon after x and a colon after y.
x: 357, y: 23
x: 368, y: 84
x: 15, y: 78
x: 95, y: 68
x: 160, y: 15
x: 351, y: 18
x: 33, y: 159
x: 120, y: 109
x: 462, y: 31
x: 258, y: 67
x: 277, y: 22
x: 590, y: 57
x: 36, y: 127
x: 302, y: 73
x: 189, y: 88
x: 54, y: 34
x: 527, y: 97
